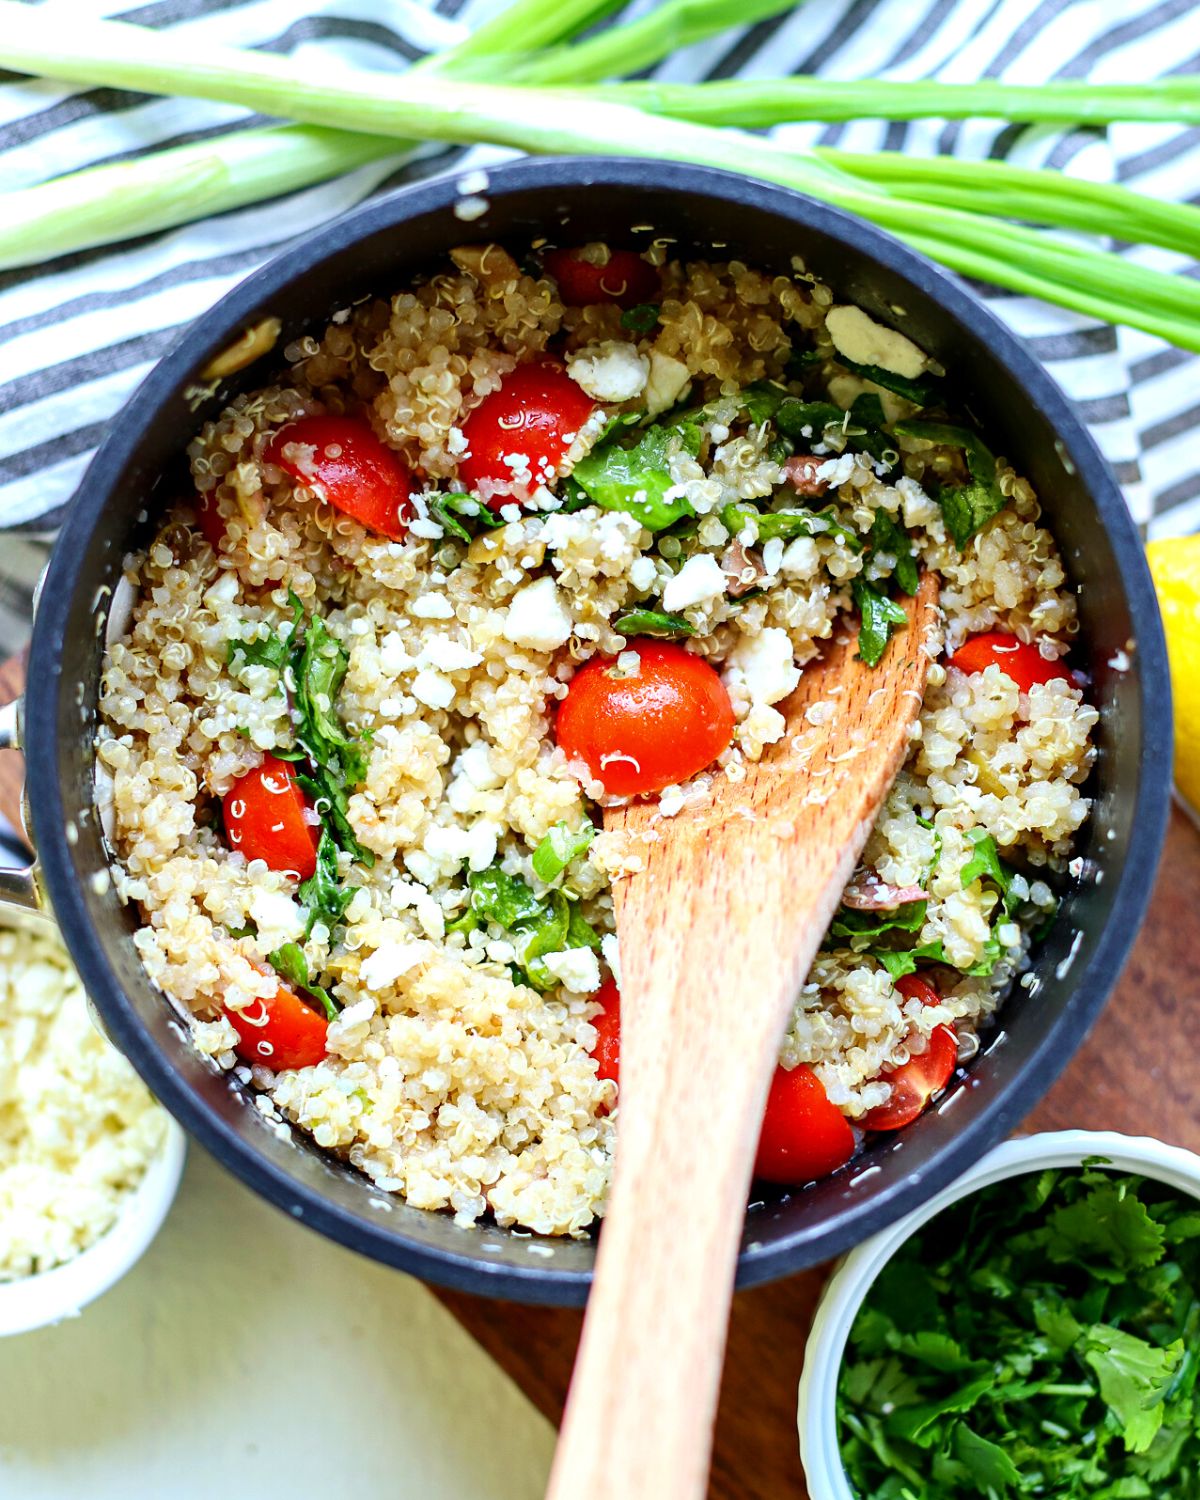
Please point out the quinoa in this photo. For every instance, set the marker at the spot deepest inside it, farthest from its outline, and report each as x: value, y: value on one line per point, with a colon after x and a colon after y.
x: 448, y: 1077
x: 77, y: 1126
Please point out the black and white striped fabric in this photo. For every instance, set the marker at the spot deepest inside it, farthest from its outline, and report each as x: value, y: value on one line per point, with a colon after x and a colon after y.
x: 78, y: 334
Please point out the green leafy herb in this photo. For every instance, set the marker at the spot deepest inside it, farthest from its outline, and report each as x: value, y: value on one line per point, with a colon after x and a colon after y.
x: 789, y: 524
x: 539, y: 925
x: 985, y: 864
x: 640, y: 319
x: 847, y: 923
x: 967, y: 507
x: 653, y: 622
x: 636, y: 479
x: 321, y: 895
x: 921, y: 392
x: 1038, y: 1338
x: 319, y: 674
x: 560, y: 846
x: 880, y: 616
x: 290, y: 962
x: 889, y: 537
x: 462, y: 516
x: 270, y: 651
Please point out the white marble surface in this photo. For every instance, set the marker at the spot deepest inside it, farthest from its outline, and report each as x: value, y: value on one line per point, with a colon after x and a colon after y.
x: 245, y: 1351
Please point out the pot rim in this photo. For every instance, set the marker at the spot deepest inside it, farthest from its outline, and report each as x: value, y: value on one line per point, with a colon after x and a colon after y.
x: 210, y: 333
x: 851, y: 1282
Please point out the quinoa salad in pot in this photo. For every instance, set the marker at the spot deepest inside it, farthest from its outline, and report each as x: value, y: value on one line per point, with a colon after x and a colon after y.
x: 547, y: 528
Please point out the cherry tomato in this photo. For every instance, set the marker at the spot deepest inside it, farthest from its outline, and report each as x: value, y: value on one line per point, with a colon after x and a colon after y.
x: 607, y: 1048
x: 350, y: 469
x: 1024, y: 664
x: 210, y: 520
x: 916, y: 1081
x: 282, y: 1032
x: 803, y: 1136
x: 533, y: 419
x: 625, y: 279
x: 265, y: 818
x: 640, y: 733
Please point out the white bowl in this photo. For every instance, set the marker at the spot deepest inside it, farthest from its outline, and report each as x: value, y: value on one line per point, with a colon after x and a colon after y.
x: 852, y: 1280
x: 35, y: 1301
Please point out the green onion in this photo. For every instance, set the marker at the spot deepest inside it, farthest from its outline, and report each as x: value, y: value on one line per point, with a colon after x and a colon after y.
x: 760, y: 102
x: 575, y: 122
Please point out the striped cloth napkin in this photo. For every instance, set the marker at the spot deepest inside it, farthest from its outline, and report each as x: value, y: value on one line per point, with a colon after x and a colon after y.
x: 79, y: 333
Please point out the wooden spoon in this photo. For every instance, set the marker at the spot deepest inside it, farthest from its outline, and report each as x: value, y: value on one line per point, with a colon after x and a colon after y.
x: 718, y: 931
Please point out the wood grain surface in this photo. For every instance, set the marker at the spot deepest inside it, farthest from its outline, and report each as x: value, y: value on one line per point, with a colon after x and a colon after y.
x: 1139, y: 1072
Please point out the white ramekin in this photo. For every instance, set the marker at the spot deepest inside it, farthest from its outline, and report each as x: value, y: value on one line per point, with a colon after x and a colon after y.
x: 855, y: 1274
x: 35, y: 1301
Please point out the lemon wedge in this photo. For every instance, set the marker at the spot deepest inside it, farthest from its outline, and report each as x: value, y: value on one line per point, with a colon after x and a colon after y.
x: 1175, y: 564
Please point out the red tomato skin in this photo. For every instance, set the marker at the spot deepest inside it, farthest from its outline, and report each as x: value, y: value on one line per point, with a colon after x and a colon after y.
x: 916, y: 1081
x: 536, y: 413
x: 607, y: 1047
x: 210, y: 520
x: 804, y: 1137
x: 625, y: 279
x: 670, y: 721
x: 1023, y: 663
x: 265, y: 819
x: 293, y: 1032
x: 350, y: 470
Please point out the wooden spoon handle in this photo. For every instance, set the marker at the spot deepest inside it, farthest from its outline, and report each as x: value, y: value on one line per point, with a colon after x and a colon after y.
x: 640, y: 1414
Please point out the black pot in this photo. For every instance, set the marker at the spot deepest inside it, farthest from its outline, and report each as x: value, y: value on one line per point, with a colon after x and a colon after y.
x: 375, y: 250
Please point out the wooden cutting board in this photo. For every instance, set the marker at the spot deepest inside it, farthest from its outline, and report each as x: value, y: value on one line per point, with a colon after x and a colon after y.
x: 1138, y: 1073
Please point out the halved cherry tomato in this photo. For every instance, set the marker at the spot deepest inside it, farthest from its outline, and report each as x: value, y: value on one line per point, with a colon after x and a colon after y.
x: 625, y: 278
x: 803, y: 1136
x: 644, y: 731
x: 282, y: 1032
x: 1023, y: 663
x: 210, y: 520
x: 531, y: 420
x: 266, y: 818
x: 349, y: 468
x: 915, y: 1082
x: 607, y: 1048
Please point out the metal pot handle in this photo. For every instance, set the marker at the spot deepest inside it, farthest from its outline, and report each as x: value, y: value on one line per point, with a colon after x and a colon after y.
x: 18, y: 888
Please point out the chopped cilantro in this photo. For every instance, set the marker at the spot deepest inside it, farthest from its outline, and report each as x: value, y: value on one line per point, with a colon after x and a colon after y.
x: 539, y: 925
x: 636, y: 479
x: 463, y: 516
x: 967, y: 507
x: 889, y: 537
x: 560, y: 846
x: 879, y: 617
x: 654, y: 622
x: 290, y: 962
x: 1038, y: 1338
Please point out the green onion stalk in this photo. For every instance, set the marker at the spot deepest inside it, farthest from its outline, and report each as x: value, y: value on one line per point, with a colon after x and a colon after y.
x: 162, y: 189
x: 579, y: 122
x: 755, y: 103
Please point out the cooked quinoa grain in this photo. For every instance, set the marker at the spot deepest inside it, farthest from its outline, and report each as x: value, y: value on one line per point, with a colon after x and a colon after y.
x: 781, y: 489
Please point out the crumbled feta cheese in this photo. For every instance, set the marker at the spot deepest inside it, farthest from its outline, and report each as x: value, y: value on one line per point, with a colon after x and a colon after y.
x: 765, y: 665
x: 432, y: 689
x: 393, y: 654
x: 537, y: 617
x: 860, y: 339
x: 643, y: 573
x: 699, y: 580
x: 447, y: 655
x: 666, y: 383
x: 610, y: 371
x: 577, y: 968
x: 380, y: 969
x: 432, y: 607
x: 278, y: 919
x: 800, y: 558
x: 611, y: 949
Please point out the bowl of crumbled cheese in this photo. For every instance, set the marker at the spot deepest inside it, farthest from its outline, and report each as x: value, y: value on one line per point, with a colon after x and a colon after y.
x: 89, y: 1162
